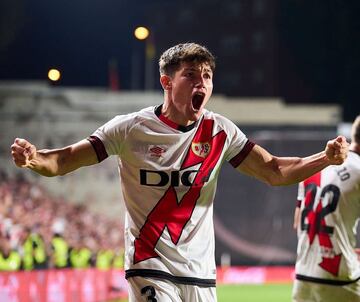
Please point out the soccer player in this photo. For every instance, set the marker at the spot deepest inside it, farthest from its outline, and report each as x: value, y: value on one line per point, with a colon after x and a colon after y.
x: 327, y: 213
x: 169, y: 160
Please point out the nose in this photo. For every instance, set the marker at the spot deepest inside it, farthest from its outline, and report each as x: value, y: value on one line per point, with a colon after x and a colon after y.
x: 199, y: 82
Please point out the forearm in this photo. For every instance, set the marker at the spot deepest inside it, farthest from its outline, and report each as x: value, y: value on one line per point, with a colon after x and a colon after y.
x: 290, y: 170
x: 50, y: 162
x: 53, y: 162
x: 279, y: 171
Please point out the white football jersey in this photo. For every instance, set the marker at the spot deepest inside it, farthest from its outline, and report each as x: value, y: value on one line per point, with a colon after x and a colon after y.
x: 168, y: 176
x: 330, y: 209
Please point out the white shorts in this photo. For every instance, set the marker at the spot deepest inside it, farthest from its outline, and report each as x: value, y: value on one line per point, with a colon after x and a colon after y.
x: 304, y: 291
x: 159, y: 290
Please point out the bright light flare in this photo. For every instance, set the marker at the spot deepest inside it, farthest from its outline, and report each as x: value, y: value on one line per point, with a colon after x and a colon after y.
x: 141, y: 33
x: 54, y: 75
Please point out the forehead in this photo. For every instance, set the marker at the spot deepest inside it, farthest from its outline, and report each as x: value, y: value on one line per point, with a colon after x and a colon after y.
x: 195, y: 66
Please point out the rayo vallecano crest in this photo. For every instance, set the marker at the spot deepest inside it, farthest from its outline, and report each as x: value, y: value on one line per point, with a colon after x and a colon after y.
x: 201, y: 149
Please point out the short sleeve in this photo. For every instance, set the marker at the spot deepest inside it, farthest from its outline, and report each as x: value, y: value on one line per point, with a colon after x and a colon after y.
x: 240, y: 146
x: 113, y: 134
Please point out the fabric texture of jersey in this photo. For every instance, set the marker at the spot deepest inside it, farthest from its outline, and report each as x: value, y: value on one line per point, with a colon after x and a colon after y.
x: 330, y: 209
x: 168, y: 177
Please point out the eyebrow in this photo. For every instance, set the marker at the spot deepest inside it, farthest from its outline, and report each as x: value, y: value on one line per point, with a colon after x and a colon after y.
x: 196, y: 69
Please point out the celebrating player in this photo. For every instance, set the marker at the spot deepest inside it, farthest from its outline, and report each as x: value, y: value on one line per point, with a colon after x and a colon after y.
x: 327, y: 266
x: 169, y: 160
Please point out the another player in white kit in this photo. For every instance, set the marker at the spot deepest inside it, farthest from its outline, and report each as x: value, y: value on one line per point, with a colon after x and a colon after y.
x: 328, y: 210
x: 169, y: 160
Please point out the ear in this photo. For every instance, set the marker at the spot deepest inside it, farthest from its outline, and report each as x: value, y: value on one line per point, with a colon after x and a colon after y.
x: 165, y: 82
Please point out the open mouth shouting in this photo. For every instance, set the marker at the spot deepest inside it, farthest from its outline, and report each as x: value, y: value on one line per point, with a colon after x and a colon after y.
x: 197, y: 100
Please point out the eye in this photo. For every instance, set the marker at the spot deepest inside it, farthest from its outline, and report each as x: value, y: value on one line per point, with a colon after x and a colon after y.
x: 207, y: 76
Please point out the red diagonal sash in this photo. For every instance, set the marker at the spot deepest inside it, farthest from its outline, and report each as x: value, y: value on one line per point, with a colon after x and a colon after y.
x: 171, y: 213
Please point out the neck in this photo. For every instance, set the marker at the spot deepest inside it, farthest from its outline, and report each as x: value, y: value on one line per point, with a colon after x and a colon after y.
x: 171, y: 113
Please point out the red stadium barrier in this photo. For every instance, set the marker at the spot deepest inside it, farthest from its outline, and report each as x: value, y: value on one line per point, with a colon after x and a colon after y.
x: 67, y: 285
x: 92, y: 285
x: 255, y: 274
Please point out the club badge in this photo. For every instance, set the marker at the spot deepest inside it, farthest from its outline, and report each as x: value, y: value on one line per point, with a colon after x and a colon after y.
x: 201, y: 149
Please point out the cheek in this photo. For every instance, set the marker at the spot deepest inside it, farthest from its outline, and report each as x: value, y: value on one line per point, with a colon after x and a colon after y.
x: 209, y: 84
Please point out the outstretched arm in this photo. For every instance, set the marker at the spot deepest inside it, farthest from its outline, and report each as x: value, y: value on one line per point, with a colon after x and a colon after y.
x: 278, y: 171
x: 53, y: 162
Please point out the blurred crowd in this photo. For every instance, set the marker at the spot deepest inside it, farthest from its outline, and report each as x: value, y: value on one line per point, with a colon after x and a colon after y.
x: 40, y: 231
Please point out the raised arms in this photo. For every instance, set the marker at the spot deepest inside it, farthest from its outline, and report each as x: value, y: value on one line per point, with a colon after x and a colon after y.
x: 278, y: 171
x: 53, y: 162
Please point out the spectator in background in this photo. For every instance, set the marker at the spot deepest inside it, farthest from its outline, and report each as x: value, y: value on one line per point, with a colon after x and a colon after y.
x: 105, y: 257
x: 39, y: 227
x: 10, y: 259
x: 118, y: 260
x: 80, y: 255
x: 169, y: 159
x: 33, y: 251
x: 327, y: 213
x: 60, y: 246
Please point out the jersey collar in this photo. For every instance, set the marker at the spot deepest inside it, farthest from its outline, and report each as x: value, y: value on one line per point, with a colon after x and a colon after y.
x: 170, y: 123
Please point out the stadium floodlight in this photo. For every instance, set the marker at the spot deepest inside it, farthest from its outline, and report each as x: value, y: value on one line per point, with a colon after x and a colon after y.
x: 54, y: 75
x: 141, y: 33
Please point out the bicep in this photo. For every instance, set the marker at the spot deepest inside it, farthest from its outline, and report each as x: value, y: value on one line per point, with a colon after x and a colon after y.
x: 259, y: 163
x: 76, y: 156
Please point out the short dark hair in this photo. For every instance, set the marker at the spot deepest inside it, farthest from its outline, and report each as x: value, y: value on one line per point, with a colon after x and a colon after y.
x: 171, y: 59
x: 355, y: 130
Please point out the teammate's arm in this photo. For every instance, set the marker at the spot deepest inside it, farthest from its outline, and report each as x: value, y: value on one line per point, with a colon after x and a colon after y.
x: 296, y: 217
x: 278, y: 171
x: 357, y: 251
x: 53, y: 162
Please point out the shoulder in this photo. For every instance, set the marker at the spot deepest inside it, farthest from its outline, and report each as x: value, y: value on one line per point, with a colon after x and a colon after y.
x: 352, y: 163
x: 353, y: 157
x: 132, y: 119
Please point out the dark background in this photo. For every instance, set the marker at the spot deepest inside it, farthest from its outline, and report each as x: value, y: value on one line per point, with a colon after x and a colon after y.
x: 302, y: 51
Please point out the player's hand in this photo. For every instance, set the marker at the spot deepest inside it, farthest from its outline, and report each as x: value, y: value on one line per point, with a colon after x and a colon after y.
x: 22, y: 152
x: 337, y: 150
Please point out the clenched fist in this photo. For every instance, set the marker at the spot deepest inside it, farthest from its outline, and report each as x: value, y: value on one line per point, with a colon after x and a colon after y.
x: 336, y: 150
x: 22, y: 152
